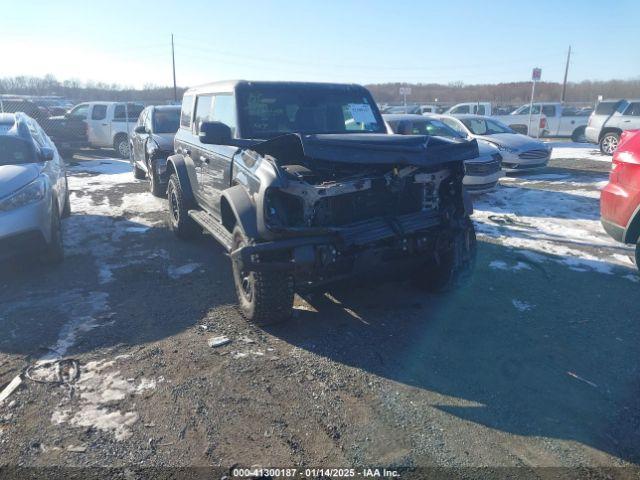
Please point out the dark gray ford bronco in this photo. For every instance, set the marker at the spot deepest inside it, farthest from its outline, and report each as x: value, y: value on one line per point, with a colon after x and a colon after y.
x: 302, y: 185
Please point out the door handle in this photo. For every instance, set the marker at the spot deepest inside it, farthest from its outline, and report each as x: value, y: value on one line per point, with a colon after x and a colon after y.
x: 105, y: 124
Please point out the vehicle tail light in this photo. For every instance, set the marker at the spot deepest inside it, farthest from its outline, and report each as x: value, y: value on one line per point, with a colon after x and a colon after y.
x: 543, y: 123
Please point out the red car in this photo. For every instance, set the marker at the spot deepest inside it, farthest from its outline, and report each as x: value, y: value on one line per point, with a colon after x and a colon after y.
x: 620, y: 199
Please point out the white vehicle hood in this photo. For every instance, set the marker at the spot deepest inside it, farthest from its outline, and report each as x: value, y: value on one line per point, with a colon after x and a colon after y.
x: 14, y: 177
x: 513, y: 140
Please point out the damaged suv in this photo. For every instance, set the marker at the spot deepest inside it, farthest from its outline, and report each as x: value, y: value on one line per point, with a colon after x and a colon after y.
x: 302, y: 185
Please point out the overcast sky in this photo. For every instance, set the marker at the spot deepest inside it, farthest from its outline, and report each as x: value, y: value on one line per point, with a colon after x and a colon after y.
x: 487, y: 41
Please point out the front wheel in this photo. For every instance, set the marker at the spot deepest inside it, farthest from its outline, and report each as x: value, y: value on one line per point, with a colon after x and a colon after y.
x: 157, y: 188
x: 454, y: 262
x: 54, y: 252
x: 66, y: 210
x: 121, y: 146
x: 609, y: 143
x: 180, y: 222
x: 265, y: 298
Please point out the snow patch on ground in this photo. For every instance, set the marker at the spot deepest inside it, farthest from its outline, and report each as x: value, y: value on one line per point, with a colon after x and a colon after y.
x: 560, y: 224
x: 177, y: 272
x: 500, y: 265
x: 522, y: 306
x: 585, y: 151
x: 99, y: 387
x: 98, y: 224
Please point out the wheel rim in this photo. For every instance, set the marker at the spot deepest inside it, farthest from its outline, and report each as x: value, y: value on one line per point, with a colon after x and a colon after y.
x: 610, y: 144
x: 243, y: 279
x: 173, y: 203
x: 123, y: 149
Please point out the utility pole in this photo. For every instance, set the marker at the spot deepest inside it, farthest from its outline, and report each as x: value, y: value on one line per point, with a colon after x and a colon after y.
x: 173, y: 59
x: 566, y: 72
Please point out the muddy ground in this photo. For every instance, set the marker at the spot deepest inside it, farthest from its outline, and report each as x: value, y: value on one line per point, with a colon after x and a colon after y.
x: 533, y: 364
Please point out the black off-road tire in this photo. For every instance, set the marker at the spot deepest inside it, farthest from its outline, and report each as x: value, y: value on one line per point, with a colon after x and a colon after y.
x: 121, y: 145
x: 264, y: 298
x: 454, y: 266
x: 578, y: 135
x: 66, y: 209
x: 180, y: 222
x: 54, y: 251
x: 609, y: 142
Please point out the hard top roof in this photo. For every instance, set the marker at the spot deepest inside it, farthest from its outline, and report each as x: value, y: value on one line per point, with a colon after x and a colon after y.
x: 230, y: 86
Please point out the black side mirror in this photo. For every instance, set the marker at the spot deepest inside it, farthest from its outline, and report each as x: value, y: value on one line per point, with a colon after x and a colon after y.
x: 141, y: 129
x: 215, y: 133
x: 46, y: 154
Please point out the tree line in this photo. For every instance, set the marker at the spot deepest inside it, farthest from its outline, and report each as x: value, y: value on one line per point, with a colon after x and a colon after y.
x: 502, y: 93
x: 507, y: 93
x: 86, y: 91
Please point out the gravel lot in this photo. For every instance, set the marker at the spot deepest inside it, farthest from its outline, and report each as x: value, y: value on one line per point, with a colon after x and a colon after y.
x: 534, y: 364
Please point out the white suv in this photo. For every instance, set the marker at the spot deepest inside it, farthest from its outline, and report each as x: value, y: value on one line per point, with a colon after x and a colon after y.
x: 609, y: 120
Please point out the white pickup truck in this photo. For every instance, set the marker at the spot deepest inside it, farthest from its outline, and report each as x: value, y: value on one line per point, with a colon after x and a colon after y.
x: 109, y: 124
x: 519, y: 123
x: 562, y: 120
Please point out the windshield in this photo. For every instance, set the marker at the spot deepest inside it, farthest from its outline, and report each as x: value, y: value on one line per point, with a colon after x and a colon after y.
x: 166, y: 121
x: 269, y: 111
x: 606, y: 108
x: 433, y: 127
x: 403, y: 109
x: 15, y: 151
x: 483, y: 126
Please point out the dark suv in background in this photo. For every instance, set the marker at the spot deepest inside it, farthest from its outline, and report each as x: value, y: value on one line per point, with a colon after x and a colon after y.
x: 300, y: 183
x: 151, y: 143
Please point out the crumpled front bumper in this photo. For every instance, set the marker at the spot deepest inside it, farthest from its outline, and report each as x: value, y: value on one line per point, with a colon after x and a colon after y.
x: 405, y: 235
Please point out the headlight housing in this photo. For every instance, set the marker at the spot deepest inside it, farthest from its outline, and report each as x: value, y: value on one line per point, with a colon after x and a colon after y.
x: 282, y: 209
x: 31, y: 193
x: 504, y: 148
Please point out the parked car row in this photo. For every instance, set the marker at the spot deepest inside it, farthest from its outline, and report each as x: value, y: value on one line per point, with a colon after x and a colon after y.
x: 91, y: 124
x: 300, y: 182
x: 547, y: 119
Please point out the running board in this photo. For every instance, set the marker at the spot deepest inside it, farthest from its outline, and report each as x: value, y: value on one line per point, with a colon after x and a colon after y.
x: 212, y: 226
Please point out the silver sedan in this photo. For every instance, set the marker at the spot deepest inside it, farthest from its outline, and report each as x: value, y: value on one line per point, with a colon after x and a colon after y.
x: 519, y: 152
x: 33, y: 190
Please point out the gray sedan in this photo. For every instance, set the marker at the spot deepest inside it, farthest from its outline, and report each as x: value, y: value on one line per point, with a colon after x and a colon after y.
x: 519, y: 152
x: 33, y: 190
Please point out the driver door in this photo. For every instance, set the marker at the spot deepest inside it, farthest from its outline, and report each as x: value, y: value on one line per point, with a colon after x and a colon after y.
x: 99, y: 128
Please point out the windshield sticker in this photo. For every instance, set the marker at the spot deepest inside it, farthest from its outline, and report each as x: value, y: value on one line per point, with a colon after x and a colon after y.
x: 362, y: 113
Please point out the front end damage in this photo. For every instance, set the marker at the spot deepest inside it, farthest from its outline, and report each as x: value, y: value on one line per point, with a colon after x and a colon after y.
x: 358, y: 204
